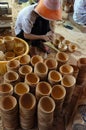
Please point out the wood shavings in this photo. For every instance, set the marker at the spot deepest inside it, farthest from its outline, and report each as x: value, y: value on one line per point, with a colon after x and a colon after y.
x: 51, y: 46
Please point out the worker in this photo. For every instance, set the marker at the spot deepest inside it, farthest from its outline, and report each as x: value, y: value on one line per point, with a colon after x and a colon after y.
x: 79, y: 15
x: 33, y: 22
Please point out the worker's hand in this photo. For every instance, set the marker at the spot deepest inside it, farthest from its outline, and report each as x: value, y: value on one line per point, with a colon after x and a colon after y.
x: 45, y: 38
x: 48, y: 36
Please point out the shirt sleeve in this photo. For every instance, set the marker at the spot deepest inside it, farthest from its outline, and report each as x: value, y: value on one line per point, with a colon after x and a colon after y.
x: 27, y: 25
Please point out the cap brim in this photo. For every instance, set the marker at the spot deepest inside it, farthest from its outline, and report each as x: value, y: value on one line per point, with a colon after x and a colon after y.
x: 47, y: 13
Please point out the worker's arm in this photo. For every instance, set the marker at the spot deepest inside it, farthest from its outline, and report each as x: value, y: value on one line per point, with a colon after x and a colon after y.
x: 46, y: 37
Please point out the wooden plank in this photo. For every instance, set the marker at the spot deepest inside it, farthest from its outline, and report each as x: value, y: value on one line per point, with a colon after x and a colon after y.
x: 6, y: 17
x: 5, y: 23
x: 76, y: 98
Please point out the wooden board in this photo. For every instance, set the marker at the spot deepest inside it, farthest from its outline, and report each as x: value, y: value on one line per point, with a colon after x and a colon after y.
x: 6, y: 17
x: 5, y: 24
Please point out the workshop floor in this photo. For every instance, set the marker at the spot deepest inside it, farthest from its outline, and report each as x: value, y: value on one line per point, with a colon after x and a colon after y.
x: 68, y: 25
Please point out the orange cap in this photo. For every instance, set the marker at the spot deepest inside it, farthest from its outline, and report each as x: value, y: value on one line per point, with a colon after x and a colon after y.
x: 49, y: 9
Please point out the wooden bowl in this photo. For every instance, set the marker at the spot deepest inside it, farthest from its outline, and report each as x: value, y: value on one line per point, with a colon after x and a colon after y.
x: 18, y: 42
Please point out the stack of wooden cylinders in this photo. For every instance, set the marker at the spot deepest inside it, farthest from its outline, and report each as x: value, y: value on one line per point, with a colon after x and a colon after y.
x: 81, y: 79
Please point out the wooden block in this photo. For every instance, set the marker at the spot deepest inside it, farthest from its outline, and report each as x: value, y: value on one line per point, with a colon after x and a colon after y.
x: 6, y: 17
x: 5, y: 23
x: 5, y: 10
